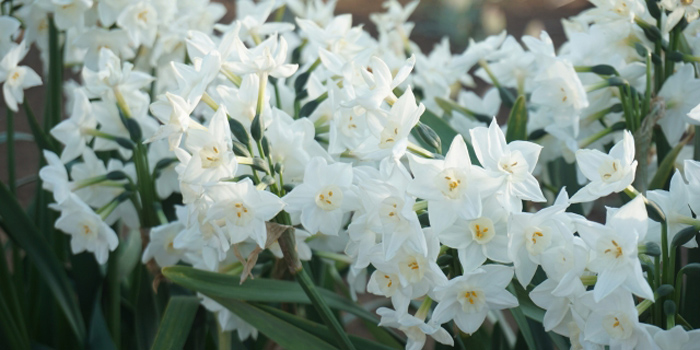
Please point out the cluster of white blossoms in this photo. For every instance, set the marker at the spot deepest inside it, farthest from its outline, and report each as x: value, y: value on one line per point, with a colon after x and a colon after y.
x: 318, y: 125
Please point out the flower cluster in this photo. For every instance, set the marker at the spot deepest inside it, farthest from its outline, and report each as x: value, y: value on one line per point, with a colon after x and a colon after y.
x: 320, y: 126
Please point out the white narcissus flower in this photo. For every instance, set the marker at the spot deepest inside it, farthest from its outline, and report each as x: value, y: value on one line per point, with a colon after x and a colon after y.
x: 468, y: 298
x: 680, y: 92
x: 532, y: 234
x: 452, y: 187
x: 481, y: 238
x: 380, y: 83
x: 175, y: 116
x: 161, y: 247
x: 87, y: 229
x: 244, y: 209
x: 324, y: 197
x: 614, y: 254
x: 675, y: 338
x: 228, y: 321
x: 112, y: 77
x: 511, y: 164
x: 608, y: 173
x: 692, y: 174
x: 614, y: 322
x: 140, y: 20
x: 417, y: 273
x: 558, y: 315
x: 267, y: 58
x: 70, y: 13
x: 212, y: 156
x: 74, y: 132
x: 674, y: 204
x: 8, y: 28
x: 415, y: 328
x: 54, y: 177
x: 680, y: 8
x: 390, y: 136
x: 17, y: 78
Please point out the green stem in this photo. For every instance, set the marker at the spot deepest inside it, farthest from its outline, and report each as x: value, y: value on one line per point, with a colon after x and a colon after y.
x: 224, y: 337
x: 114, y: 307
x: 11, y: 171
x: 55, y: 78
x: 287, y: 244
x: 42, y: 139
x: 667, y: 278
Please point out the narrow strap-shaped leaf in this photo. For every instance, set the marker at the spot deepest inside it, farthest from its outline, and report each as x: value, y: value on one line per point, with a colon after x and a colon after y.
x: 285, y: 334
x: 176, y: 323
x: 517, y: 121
x: 10, y: 330
x: 259, y: 290
x: 666, y: 167
x: 445, y: 132
x: 23, y: 231
x: 321, y: 331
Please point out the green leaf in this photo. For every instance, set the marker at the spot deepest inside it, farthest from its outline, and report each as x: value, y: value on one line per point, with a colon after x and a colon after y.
x: 259, y: 290
x: 176, y: 323
x: 322, y: 332
x: 517, y: 121
x: 99, y: 337
x: 445, y: 132
x: 21, y: 230
x: 285, y: 334
x: 666, y: 167
x: 11, y: 332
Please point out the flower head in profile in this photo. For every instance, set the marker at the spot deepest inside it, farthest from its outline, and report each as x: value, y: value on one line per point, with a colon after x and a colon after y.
x: 608, y: 173
x: 17, y: 78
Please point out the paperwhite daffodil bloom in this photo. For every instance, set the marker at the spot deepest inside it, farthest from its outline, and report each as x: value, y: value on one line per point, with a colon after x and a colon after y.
x: 390, y: 136
x: 614, y: 322
x: 675, y: 338
x: 532, y: 234
x: 70, y: 13
x: 614, y: 250
x: 388, y: 209
x: 608, y: 173
x: 140, y: 20
x: 212, y: 156
x: 674, y: 204
x: 87, y: 229
x: 54, y: 177
x: 481, y: 238
x: 112, y: 78
x: 324, y: 197
x: 244, y: 209
x: 267, y: 58
x: 228, y: 321
x: 680, y: 92
x: 96, y: 39
x: 74, y: 132
x: 161, y: 247
x: 8, y: 29
x: 17, y: 78
x: 417, y: 273
x: 692, y: 174
x: 558, y: 315
x: 468, y: 298
x: 175, y: 116
x: 680, y: 8
x: 565, y: 264
x: 415, y: 328
x: 192, y: 81
x: 511, y: 164
x: 379, y: 84
x: 253, y: 18
x: 452, y: 187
